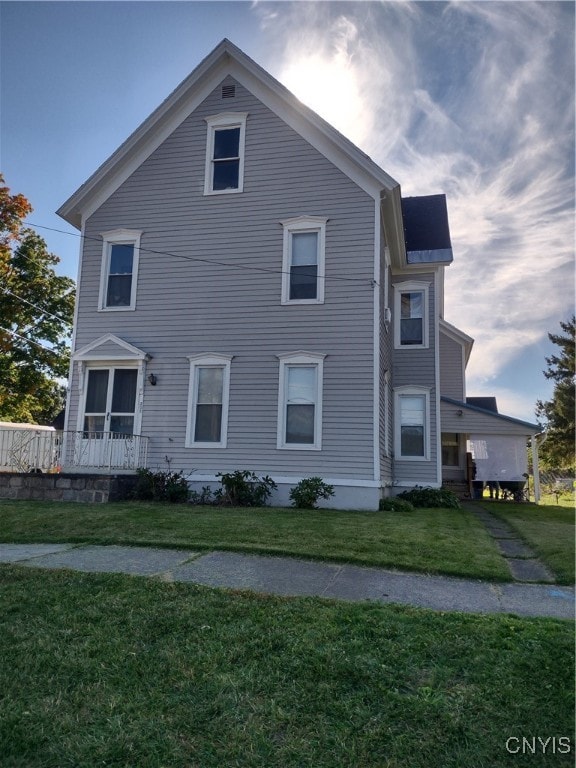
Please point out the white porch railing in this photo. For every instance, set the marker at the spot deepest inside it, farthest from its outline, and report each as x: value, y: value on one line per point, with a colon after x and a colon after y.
x: 29, y: 450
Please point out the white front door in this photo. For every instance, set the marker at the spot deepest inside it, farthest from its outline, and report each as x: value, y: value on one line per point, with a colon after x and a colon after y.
x: 109, y: 415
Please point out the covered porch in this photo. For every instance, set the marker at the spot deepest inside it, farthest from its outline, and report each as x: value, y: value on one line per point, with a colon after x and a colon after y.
x: 483, y: 447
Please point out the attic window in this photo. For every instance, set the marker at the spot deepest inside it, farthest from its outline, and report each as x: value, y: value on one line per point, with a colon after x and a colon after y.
x: 228, y: 91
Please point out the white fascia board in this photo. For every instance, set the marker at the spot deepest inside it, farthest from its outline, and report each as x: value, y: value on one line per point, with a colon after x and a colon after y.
x: 314, y: 129
x: 138, y: 147
x: 125, y: 350
x: 225, y: 60
x: 457, y: 335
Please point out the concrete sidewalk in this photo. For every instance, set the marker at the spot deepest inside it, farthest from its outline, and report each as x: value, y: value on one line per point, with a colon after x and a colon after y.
x: 287, y: 576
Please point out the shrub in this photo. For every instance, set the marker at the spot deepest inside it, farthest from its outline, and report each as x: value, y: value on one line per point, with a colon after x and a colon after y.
x: 243, y: 488
x: 161, y: 486
x: 306, y: 494
x: 394, y: 504
x: 431, y: 497
x: 203, y: 497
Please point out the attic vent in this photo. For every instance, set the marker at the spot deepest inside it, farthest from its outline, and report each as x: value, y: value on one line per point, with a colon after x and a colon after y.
x: 228, y: 91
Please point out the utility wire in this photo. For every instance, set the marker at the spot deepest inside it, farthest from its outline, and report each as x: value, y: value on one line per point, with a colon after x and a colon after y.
x: 29, y: 341
x: 40, y: 309
x: 210, y: 262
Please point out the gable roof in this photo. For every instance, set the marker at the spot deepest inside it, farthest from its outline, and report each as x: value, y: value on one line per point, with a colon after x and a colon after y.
x: 226, y: 59
x: 110, y: 347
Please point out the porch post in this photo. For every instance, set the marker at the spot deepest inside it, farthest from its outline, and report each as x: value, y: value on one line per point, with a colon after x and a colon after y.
x: 535, y: 468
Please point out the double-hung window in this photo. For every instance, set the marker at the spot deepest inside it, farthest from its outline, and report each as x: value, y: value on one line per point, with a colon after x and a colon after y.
x: 208, y: 401
x: 303, y: 260
x: 412, y: 434
x: 225, y: 153
x: 119, y: 273
x: 411, y: 312
x: 300, y: 401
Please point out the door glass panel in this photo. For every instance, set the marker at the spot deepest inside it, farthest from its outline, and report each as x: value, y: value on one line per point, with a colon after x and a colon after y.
x: 124, y: 391
x: 123, y: 425
x: 97, y: 391
x: 93, y: 424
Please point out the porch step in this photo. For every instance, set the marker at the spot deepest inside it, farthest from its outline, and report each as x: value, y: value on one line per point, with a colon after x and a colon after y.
x: 460, y: 489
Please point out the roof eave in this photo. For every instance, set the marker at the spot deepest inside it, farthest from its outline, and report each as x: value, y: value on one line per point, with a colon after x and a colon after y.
x: 180, y: 103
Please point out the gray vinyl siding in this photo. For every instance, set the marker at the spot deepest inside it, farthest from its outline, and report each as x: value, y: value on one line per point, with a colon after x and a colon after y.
x: 467, y: 421
x: 417, y: 367
x: 189, y: 305
x: 451, y: 368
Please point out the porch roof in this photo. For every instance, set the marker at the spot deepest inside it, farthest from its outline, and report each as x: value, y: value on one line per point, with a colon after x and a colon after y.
x: 458, y: 416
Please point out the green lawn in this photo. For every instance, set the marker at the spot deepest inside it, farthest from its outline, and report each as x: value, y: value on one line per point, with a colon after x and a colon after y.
x: 117, y: 671
x: 548, y: 529
x: 430, y: 540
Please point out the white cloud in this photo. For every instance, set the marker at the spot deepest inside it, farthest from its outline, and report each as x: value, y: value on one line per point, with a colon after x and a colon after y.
x: 478, y: 103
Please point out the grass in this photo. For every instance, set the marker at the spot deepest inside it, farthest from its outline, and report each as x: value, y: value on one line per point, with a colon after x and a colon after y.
x: 123, y: 671
x: 548, y: 529
x: 445, y: 541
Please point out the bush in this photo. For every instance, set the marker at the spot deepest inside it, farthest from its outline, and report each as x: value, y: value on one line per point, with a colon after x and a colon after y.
x: 394, y: 504
x: 161, y: 486
x: 306, y: 494
x: 243, y: 488
x: 203, y: 497
x: 431, y: 497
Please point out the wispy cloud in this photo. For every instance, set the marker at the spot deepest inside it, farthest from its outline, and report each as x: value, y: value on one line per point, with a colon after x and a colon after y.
x: 473, y: 99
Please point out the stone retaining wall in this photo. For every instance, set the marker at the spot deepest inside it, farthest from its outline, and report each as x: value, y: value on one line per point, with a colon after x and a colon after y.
x: 66, y: 487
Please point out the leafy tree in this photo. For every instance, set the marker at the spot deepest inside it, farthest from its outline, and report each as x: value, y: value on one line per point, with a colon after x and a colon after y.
x: 36, y: 311
x: 558, y: 414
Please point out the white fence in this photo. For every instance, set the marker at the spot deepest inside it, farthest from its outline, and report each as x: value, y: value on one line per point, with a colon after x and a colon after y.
x: 46, y: 450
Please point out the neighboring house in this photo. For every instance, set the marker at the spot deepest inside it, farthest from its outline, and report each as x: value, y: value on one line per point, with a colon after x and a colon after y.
x: 254, y: 293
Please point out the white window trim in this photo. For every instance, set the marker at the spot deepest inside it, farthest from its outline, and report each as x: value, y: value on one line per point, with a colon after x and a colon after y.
x: 118, y: 237
x: 307, y: 359
x: 203, y: 361
x: 111, y: 364
x: 398, y: 393
x: 411, y: 287
x: 386, y: 386
x: 303, y: 224
x: 224, y: 120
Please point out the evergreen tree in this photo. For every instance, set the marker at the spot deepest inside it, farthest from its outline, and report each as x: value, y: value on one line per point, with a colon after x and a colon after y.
x: 558, y: 414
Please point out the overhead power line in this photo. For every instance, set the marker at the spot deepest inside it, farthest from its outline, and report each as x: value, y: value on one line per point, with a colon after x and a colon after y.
x: 211, y: 262
x: 40, y: 309
x: 29, y: 341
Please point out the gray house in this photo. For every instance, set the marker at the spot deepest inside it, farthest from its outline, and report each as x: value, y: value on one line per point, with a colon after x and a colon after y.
x: 254, y: 293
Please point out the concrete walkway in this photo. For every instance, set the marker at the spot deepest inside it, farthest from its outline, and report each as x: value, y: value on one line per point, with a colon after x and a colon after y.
x: 522, y: 561
x: 287, y: 576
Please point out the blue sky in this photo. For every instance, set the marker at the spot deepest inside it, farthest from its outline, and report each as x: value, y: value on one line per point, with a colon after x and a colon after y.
x: 473, y: 99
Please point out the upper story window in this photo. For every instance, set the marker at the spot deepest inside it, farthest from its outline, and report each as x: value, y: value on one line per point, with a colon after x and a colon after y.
x: 225, y: 153
x: 119, y: 273
x: 300, y: 401
x: 207, y: 424
x: 412, y: 420
x: 303, y: 260
x: 411, y: 315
